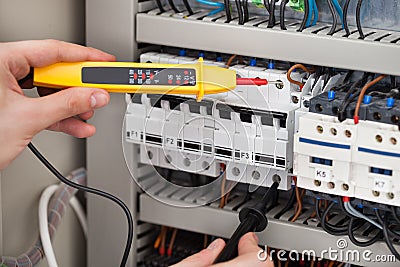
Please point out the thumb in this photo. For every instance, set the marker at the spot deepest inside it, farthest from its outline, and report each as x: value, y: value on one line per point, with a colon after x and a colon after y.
x: 248, y: 244
x: 67, y: 103
x: 205, y: 257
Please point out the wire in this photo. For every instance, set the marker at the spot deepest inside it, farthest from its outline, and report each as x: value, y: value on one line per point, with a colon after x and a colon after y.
x: 172, y: 5
x: 358, y: 19
x: 315, y: 9
x: 222, y: 199
x: 160, y: 6
x: 345, y: 12
x: 188, y: 8
x: 240, y: 11
x: 271, y: 20
x: 362, y: 93
x: 306, y: 14
x: 288, y: 205
x: 334, y: 17
x: 328, y: 227
x: 339, y: 10
x: 394, y: 213
x: 356, y: 242
x: 205, y: 242
x: 116, y: 200
x: 299, y: 207
x: 310, y: 10
x: 246, y: 15
x: 294, y: 67
x: 172, y: 242
x: 213, y: 4
x: 350, y: 209
x: 282, y: 14
x: 44, y: 227
x: 227, y: 11
x: 387, y: 235
x: 230, y: 60
x: 80, y: 213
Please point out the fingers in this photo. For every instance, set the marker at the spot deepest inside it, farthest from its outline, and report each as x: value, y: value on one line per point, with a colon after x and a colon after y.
x: 205, y: 257
x: 49, y: 110
x: 248, y: 254
x: 74, y: 127
x: 47, y: 52
x: 87, y: 115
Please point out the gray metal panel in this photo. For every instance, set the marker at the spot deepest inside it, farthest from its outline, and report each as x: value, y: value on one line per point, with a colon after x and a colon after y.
x: 276, y: 44
x: 279, y: 234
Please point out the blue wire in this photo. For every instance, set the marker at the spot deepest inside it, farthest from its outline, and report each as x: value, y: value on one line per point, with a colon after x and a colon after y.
x: 310, y: 12
x: 210, y: 3
x: 339, y: 11
x: 216, y: 11
x: 315, y: 13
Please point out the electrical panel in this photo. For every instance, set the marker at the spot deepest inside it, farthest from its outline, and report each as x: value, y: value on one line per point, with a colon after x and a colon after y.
x: 330, y: 143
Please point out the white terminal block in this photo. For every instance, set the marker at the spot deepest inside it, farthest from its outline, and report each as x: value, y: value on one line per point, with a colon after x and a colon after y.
x: 376, y: 167
x: 323, y: 154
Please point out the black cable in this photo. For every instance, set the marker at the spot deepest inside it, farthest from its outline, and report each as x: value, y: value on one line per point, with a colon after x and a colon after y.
x: 358, y: 19
x: 288, y: 205
x: 386, y: 234
x: 394, y: 214
x: 334, y: 17
x: 282, y: 14
x: 188, y: 8
x: 267, y: 5
x: 116, y: 200
x: 246, y: 15
x: 227, y: 11
x: 172, y: 5
x: 328, y: 227
x: 356, y: 242
x: 160, y: 6
x: 271, y: 20
x: 345, y: 12
x: 240, y: 11
x: 306, y: 14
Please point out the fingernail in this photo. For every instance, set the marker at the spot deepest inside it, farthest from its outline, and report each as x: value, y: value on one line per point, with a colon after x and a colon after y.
x: 98, y: 100
x: 255, y: 237
x: 214, y: 244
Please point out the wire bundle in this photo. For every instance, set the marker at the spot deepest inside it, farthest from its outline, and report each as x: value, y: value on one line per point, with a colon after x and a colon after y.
x: 220, y: 6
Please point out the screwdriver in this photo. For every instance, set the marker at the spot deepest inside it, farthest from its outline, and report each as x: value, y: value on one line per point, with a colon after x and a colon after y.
x: 150, y: 78
x: 252, y: 219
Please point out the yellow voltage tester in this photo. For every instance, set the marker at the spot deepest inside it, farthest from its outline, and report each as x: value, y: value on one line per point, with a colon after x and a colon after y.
x: 150, y: 78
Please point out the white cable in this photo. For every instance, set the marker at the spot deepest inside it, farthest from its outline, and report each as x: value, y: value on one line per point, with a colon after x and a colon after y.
x: 43, y: 222
x: 80, y: 213
x: 43, y: 225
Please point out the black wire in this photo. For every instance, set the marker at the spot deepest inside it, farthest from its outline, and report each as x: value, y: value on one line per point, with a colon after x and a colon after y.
x: 288, y: 205
x: 160, y: 7
x: 172, y: 5
x: 356, y: 242
x: 228, y: 11
x: 394, y: 214
x: 271, y: 20
x: 116, y: 200
x: 345, y: 11
x: 328, y: 227
x: 334, y: 17
x: 306, y: 14
x: 358, y: 19
x: 267, y: 5
x: 188, y: 8
x: 240, y: 11
x: 386, y: 234
x: 246, y: 15
x: 282, y: 14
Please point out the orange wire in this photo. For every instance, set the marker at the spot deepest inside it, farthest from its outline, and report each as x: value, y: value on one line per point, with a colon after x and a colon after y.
x: 331, y: 264
x: 287, y: 263
x: 158, y: 241
x: 362, y: 93
x: 205, y: 241
x: 312, y: 263
x: 230, y: 60
x: 341, y: 264
x: 299, y: 207
x: 294, y: 67
x: 172, y: 241
x: 163, y: 240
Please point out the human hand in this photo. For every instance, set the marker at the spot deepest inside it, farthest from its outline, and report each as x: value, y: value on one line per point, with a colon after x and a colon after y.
x: 248, y: 250
x: 21, y: 118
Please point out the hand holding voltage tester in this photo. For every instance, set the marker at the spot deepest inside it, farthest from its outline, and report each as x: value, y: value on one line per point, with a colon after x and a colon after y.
x: 124, y: 77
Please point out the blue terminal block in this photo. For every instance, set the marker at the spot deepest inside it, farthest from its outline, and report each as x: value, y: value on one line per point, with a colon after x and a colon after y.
x: 390, y: 102
x: 331, y: 95
x: 182, y: 52
x: 271, y: 64
x: 253, y: 62
x: 367, y: 99
x: 201, y: 54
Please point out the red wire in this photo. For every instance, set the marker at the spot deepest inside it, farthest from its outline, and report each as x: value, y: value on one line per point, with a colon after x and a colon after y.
x: 251, y: 81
